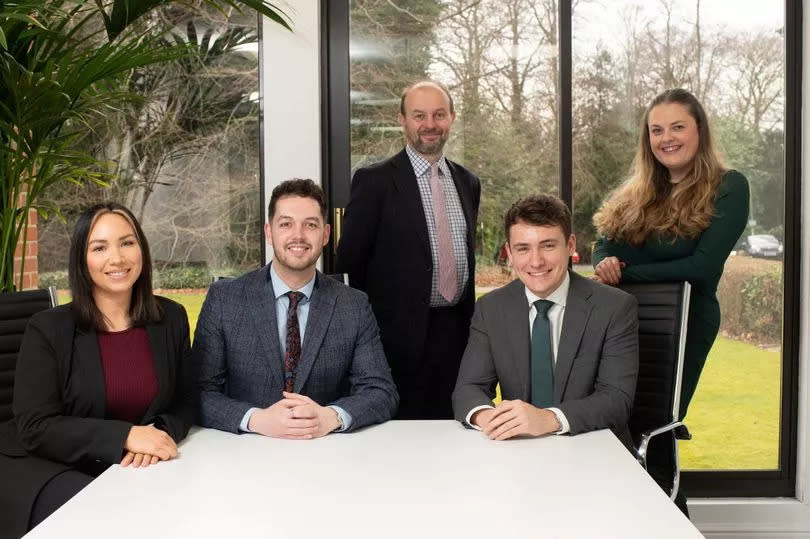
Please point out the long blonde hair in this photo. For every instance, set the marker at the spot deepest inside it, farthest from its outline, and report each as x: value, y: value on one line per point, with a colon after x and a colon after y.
x: 647, y: 203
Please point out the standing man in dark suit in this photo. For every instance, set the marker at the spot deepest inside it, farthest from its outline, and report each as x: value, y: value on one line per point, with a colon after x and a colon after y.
x: 284, y: 351
x: 563, y: 348
x: 408, y: 242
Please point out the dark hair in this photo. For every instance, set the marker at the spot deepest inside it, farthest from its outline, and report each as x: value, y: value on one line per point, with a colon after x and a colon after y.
x: 421, y: 84
x: 539, y: 210
x: 144, y: 307
x: 300, y: 187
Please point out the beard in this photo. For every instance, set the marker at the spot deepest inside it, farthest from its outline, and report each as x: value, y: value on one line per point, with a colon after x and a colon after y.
x: 429, y: 148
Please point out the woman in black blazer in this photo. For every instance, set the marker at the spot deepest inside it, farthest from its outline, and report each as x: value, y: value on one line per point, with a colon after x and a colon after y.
x: 105, y: 379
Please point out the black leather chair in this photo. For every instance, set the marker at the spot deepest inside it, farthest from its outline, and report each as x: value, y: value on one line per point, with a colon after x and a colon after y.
x: 663, y: 310
x: 15, y: 310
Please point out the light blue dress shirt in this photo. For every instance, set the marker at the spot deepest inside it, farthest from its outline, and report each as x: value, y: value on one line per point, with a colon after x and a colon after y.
x: 280, y: 290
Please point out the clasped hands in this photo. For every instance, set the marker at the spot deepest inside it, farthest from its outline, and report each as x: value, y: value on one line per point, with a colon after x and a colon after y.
x: 609, y: 271
x: 147, y: 445
x: 295, y: 417
x: 515, y: 418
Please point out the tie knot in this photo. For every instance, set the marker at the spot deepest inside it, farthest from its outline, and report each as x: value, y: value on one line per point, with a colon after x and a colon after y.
x: 434, y: 170
x: 542, y: 306
x: 295, y: 298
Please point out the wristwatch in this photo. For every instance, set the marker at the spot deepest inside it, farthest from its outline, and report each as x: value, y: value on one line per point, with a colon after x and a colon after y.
x: 340, y: 420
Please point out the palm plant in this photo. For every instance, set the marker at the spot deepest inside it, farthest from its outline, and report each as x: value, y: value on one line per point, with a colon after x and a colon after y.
x: 62, y: 64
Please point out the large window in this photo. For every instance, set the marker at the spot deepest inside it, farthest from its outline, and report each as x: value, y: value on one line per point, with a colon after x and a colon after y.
x: 735, y: 65
x: 506, y: 65
x: 185, y: 158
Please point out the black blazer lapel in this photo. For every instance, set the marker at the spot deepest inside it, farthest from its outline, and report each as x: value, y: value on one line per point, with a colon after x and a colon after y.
x: 86, y: 364
x: 156, y: 333
x: 260, y: 298
x: 321, y: 307
x: 577, y: 312
x: 408, y: 195
x: 465, y: 195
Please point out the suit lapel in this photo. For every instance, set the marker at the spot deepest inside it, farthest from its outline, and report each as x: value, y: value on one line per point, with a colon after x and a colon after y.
x: 92, y: 373
x: 261, y: 301
x: 516, y: 321
x: 156, y: 333
x: 410, y: 198
x: 466, y: 199
x: 577, y: 312
x: 321, y: 307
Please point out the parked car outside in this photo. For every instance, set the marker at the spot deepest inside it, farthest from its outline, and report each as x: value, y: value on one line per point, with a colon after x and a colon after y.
x: 763, y: 245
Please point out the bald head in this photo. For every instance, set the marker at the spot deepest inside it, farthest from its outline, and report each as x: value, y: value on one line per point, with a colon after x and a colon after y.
x: 429, y: 84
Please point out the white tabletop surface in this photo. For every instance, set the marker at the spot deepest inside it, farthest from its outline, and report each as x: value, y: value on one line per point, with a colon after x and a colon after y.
x: 419, y: 479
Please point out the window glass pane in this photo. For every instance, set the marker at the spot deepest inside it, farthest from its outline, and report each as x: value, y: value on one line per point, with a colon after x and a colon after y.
x: 730, y: 55
x: 185, y: 159
x: 499, y: 59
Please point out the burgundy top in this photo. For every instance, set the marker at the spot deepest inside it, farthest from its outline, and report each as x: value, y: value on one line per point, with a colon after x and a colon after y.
x: 130, y: 379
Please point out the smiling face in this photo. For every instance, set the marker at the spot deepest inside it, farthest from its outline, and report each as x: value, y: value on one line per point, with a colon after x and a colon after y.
x: 427, y: 120
x: 539, y: 255
x: 674, y: 138
x: 114, y: 257
x: 298, y: 235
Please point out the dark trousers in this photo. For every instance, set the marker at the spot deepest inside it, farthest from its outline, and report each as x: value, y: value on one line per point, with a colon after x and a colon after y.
x: 425, y: 393
x: 56, y: 492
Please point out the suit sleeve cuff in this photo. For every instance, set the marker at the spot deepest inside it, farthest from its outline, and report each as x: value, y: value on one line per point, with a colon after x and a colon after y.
x: 471, y: 412
x: 243, y: 426
x: 565, y: 428
x: 345, y: 417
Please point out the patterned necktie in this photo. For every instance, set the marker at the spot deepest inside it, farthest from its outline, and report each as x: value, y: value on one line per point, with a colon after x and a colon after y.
x: 447, y: 259
x: 542, y: 362
x: 293, y: 352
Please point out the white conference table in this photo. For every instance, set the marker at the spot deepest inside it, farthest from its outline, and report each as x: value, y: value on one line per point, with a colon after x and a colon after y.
x: 402, y: 479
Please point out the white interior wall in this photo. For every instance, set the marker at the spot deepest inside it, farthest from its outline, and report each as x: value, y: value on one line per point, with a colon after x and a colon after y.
x: 291, y: 97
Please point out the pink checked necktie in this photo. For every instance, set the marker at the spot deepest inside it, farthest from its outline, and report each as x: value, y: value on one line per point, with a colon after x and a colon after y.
x: 447, y: 260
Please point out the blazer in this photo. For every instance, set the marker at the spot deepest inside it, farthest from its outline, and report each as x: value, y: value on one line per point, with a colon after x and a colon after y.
x: 597, y: 357
x: 385, y: 249
x: 60, y: 405
x: 237, y: 348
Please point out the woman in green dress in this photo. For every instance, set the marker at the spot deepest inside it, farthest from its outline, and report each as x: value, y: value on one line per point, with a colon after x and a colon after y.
x: 676, y: 218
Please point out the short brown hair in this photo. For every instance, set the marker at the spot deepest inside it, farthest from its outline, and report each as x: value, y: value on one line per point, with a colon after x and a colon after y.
x: 300, y: 187
x: 539, y: 210
x: 420, y: 84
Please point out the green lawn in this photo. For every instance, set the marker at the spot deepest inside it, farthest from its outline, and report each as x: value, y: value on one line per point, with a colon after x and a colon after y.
x: 733, y: 418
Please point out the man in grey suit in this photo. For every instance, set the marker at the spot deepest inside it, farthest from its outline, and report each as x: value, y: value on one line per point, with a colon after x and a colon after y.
x: 563, y: 348
x: 284, y: 351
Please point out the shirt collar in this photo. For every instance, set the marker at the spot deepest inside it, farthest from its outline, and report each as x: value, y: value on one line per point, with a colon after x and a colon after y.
x: 558, y: 297
x: 280, y: 287
x: 421, y: 166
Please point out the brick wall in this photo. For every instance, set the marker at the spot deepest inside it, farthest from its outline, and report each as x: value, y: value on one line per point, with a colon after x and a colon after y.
x: 30, y: 267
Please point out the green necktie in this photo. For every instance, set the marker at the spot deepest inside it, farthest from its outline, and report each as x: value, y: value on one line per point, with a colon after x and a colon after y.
x: 542, y: 362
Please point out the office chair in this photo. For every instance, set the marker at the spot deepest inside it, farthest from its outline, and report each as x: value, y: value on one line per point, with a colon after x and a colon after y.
x: 663, y: 310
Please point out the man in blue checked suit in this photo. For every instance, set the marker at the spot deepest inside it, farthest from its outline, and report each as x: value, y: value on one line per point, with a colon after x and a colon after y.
x: 284, y: 351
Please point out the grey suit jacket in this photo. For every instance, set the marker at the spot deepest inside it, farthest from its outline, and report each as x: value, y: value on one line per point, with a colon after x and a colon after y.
x: 597, y: 358
x: 240, y: 363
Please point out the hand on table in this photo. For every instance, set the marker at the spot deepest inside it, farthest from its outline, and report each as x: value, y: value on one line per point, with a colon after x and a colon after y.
x: 295, y: 417
x: 138, y: 460
x: 609, y: 270
x: 516, y: 418
x: 149, y: 441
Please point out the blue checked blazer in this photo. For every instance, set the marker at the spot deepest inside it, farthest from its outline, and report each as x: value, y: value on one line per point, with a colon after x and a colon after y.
x: 237, y: 352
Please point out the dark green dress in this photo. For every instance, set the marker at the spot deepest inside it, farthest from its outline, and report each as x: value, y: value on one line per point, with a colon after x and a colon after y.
x: 699, y: 261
